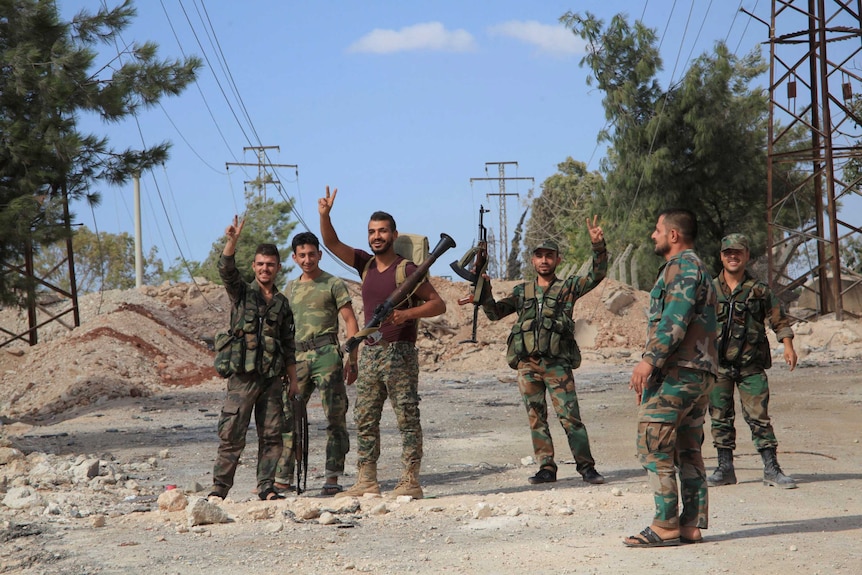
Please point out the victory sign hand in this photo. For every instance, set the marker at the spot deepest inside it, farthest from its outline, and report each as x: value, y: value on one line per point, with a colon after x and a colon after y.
x: 596, y: 233
x: 324, y: 205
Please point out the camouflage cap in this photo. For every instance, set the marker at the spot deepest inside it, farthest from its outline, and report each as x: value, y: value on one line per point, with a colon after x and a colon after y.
x: 734, y: 242
x: 547, y: 245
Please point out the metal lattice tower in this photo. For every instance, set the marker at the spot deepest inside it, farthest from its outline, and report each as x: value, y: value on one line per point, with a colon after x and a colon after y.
x: 263, y: 175
x: 815, y: 83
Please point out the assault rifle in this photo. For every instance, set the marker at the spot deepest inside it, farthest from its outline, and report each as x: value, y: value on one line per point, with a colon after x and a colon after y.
x: 371, y: 331
x: 478, y: 254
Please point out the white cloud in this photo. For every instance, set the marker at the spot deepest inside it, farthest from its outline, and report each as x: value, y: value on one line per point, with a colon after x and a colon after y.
x: 549, y: 38
x: 431, y: 36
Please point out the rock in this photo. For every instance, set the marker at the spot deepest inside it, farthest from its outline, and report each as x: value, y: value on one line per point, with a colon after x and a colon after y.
x: 514, y: 512
x: 22, y: 498
x: 194, y: 487
x: 379, y: 509
x: 98, y: 521
x: 9, y: 454
x: 404, y: 499
x: 172, y: 500
x: 617, y: 492
x: 327, y: 518
x: 618, y: 300
x: 274, y: 527
x: 528, y: 461
x: 259, y: 513
x: 202, y: 512
x: 482, y: 511
x: 86, y: 470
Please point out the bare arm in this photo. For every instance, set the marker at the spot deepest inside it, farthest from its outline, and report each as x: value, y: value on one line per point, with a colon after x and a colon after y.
x: 330, y: 238
x: 352, y: 326
x: 433, y: 306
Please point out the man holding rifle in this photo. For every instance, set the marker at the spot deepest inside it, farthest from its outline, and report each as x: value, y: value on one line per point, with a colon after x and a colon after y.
x: 542, y: 348
x: 388, y: 368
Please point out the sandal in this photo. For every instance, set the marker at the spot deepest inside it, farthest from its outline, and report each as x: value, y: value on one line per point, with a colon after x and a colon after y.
x: 687, y: 541
x: 330, y: 489
x: 270, y: 494
x: 649, y: 538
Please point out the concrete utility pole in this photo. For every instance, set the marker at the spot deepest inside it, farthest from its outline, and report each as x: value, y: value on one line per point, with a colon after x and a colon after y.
x: 501, y: 179
x: 830, y: 113
x: 139, y: 240
x: 263, y: 176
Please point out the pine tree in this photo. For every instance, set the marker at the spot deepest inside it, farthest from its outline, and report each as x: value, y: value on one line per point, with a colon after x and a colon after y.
x: 49, y: 75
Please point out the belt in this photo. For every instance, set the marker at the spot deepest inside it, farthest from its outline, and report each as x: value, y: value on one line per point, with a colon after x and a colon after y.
x: 317, y: 342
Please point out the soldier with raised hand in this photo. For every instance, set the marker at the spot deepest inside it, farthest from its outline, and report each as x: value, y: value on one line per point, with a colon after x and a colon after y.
x: 262, y: 326
x: 745, y: 306
x: 543, y: 349
x: 672, y: 381
x: 318, y: 300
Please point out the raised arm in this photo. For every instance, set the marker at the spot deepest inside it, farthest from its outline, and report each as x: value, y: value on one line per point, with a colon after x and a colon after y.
x: 330, y: 238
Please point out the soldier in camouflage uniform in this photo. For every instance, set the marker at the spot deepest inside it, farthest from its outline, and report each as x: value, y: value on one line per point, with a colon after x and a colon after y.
x: 672, y: 383
x: 745, y: 305
x: 262, y: 330
x: 543, y: 349
x: 318, y: 299
x: 389, y: 368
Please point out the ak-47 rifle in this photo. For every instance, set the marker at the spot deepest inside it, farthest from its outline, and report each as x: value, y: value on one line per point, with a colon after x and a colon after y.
x: 478, y: 254
x: 371, y: 331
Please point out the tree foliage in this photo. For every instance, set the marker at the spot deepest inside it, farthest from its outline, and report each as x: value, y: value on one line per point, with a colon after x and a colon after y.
x: 49, y: 77
x: 559, y: 212
x: 514, y: 266
x: 266, y: 221
x: 104, y: 261
x: 699, y: 145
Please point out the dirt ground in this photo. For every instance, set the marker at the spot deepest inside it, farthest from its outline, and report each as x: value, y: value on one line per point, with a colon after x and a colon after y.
x: 128, y: 389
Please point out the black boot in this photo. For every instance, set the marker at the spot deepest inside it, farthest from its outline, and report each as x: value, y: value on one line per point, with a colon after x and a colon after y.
x: 772, y: 474
x: 724, y: 475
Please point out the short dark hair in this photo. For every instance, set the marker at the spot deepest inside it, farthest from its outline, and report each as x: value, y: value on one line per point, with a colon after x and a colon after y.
x: 305, y: 239
x: 379, y: 216
x: 682, y: 220
x: 268, y: 250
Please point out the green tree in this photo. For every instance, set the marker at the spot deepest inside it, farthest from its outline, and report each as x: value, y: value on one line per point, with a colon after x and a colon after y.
x: 266, y: 221
x: 106, y: 261
x: 700, y: 145
x: 49, y: 77
x: 559, y: 213
x: 514, y: 267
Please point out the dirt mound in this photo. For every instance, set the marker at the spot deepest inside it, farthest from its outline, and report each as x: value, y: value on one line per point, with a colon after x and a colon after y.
x: 139, y: 342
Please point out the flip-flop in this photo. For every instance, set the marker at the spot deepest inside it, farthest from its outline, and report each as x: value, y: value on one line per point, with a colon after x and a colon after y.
x: 270, y: 494
x: 330, y: 489
x: 649, y: 538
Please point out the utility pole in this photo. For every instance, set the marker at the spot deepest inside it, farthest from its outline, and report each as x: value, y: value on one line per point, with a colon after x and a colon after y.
x: 263, y: 176
x: 501, y: 179
x: 800, y: 94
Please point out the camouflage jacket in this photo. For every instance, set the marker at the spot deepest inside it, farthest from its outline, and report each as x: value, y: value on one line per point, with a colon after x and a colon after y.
x: 545, y: 326
x: 748, y: 308
x: 263, y: 332
x: 682, y: 330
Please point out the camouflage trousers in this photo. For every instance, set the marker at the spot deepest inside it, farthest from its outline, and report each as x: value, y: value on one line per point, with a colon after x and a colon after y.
x: 247, y: 393
x: 535, y: 377
x: 318, y: 369
x: 388, y: 371
x: 754, y: 400
x: 670, y: 436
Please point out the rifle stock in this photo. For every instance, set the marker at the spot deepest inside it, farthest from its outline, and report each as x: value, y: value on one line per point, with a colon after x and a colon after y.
x: 402, y: 292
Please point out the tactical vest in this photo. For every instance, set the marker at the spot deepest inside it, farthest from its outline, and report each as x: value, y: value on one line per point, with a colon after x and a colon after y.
x: 543, y: 328
x: 742, y: 341
x: 253, y: 343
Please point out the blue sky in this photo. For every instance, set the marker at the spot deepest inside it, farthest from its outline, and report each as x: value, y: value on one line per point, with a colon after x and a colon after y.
x: 398, y: 104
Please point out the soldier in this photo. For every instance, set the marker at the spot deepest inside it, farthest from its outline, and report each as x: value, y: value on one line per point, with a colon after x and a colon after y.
x: 391, y: 367
x: 262, y: 326
x: 744, y: 306
x: 318, y: 299
x: 543, y: 349
x: 672, y: 381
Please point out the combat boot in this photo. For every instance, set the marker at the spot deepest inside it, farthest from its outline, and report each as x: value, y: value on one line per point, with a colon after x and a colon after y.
x: 724, y: 475
x: 366, y: 482
x: 772, y: 474
x: 409, y: 483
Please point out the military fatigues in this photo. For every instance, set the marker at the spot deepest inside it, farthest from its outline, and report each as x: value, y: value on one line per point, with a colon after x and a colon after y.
x: 263, y: 340
x: 543, y: 349
x: 745, y: 355
x: 319, y: 365
x: 387, y: 369
x: 681, y: 345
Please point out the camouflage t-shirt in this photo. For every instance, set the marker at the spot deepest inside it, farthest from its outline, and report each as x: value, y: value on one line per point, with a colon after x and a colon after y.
x: 682, y: 328
x: 315, y: 305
